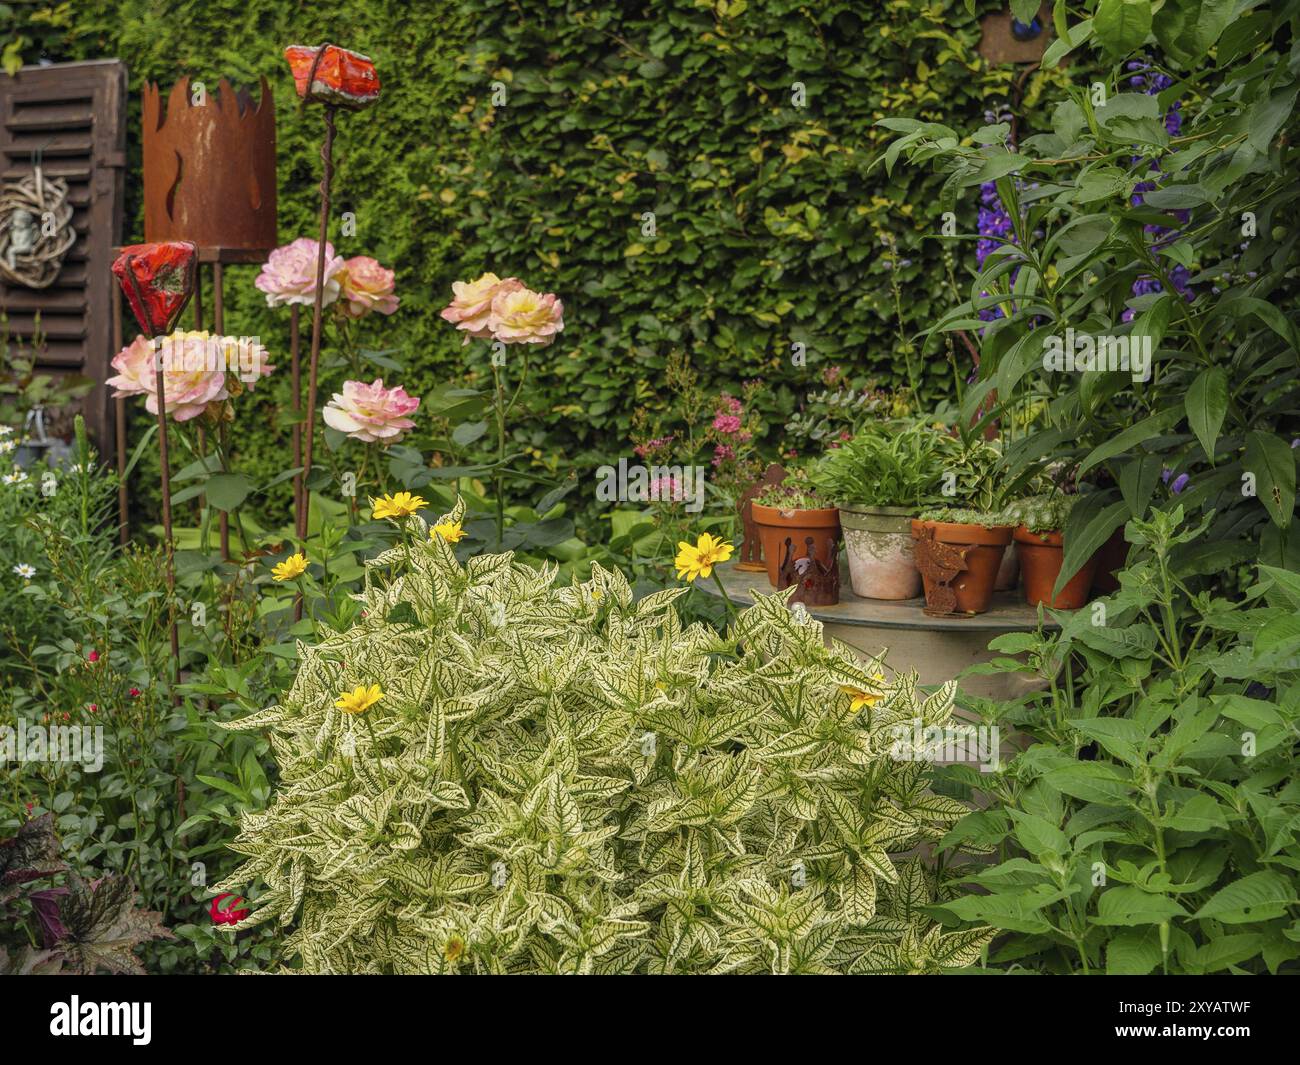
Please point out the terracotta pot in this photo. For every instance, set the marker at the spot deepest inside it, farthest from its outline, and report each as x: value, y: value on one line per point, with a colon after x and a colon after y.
x: 1009, y: 570
x: 1109, y: 559
x: 822, y: 524
x: 973, y: 586
x: 1041, y: 555
x: 882, y: 564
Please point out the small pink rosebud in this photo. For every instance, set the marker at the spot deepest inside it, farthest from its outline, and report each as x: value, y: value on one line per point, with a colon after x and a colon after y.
x: 93, y: 656
x: 93, y: 708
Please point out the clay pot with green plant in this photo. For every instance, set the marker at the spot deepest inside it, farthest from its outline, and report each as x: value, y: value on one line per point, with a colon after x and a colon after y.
x: 1041, y: 544
x: 972, y: 524
x: 794, y: 510
x: 880, y: 479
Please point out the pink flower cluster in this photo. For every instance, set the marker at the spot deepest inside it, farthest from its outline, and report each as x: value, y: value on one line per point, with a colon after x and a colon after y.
x: 494, y: 308
x: 651, y: 446
x: 727, y: 419
x: 289, y: 276
x: 370, y: 412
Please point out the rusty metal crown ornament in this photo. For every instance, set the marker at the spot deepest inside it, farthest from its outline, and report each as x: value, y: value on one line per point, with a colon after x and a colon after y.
x: 209, y: 166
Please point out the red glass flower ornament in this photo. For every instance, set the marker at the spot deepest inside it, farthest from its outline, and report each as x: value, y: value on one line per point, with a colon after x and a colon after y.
x: 329, y: 74
x: 158, y: 280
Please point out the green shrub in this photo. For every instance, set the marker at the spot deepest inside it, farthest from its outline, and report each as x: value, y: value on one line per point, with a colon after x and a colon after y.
x: 885, y: 466
x: 565, y: 780
x: 1151, y: 826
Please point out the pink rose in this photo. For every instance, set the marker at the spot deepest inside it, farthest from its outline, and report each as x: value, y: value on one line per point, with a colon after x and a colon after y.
x: 471, y: 304
x: 366, y: 286
x: 522, y: 316
x: 371, y: 413
x: 135, y: 370
x: 195, y: 368
x: 289, y: 274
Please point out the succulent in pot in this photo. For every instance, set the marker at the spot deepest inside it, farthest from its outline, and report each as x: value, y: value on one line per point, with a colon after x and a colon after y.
x: 960, y: 545
x: 1040, y: 521
x: 880, y: 480
x: 794, y: 510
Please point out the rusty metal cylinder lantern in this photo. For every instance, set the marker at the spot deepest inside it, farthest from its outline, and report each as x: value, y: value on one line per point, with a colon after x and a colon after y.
x: 209, y: 167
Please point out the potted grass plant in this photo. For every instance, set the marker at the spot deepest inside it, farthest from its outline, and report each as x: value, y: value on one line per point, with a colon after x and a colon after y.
x: 880, y: 480
x: 973, y: 522
x: 1040, y: 521
x: 795, y: 509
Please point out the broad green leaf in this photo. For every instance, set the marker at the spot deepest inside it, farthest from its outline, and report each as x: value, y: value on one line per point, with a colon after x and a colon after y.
x: 1207, y: 402
x: 225, y: 491
x: 1122, y: 25
x: 1134, y: 952
x: 1188, y: 29
x: 1258, y: 897
x: 1198, y: 814
x: 1153, y: 425
x: 1092, y: 782
x: 1272, y: 461
x: 1087, y: 527
x: 1128, y: 905
x: 1223, y: 951
x: 467, y: 432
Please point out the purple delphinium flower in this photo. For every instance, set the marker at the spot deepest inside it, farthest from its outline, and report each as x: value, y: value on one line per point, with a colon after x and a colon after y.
x: 1179, y: 483
x: 1161, y: 236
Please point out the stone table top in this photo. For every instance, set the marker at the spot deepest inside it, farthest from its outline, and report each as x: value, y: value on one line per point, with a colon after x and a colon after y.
x: 1008, y: 613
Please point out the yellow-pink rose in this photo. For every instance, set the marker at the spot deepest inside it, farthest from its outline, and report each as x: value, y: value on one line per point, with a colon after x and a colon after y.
x: 471, y: 305
x: 366, y: 286
x: 522, y: 316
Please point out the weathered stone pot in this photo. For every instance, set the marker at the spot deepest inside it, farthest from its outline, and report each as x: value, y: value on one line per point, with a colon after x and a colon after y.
x: 882, y: 563
x: 774, y: 525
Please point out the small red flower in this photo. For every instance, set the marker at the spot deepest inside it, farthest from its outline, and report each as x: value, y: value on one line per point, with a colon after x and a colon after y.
x: 135, y: 693
x: 29, y: 806
x: 93, y: 708
x: 67, y: 716
x: 93, y: 656
x: 232, y: 914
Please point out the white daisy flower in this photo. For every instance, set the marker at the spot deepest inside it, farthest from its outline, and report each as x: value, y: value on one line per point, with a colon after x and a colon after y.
x: 25, y: 571
x: 6, y: 430
x: 18, y: 477
x: 7, y: 446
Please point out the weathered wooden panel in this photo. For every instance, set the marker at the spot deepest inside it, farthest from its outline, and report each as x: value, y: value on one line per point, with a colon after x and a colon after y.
x: 74, y: 115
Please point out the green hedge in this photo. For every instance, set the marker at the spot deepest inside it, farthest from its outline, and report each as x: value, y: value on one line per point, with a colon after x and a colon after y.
x: 767, y: 214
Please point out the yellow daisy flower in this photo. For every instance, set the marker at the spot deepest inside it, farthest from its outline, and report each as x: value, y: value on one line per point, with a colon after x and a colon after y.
x: 698, y: 560
x: 864, y: 698
x: 401, y: 505
x: 293, y: 566
x: 359, y: 699
x: 448, y: 530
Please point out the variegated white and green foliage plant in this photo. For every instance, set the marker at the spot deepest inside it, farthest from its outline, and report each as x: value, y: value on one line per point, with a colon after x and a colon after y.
x: 564, y: 780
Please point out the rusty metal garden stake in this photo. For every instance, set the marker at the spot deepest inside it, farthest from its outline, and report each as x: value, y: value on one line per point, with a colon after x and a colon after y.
x: 327, y: 177
x: 166, y: 477
x: 296, y: 373
x: 219, y: 327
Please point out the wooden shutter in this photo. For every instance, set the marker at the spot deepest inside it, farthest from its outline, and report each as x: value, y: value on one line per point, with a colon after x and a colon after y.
x: 75, y: 115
